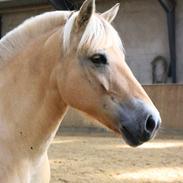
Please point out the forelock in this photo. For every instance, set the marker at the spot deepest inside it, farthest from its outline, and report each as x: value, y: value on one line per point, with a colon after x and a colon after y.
x: 97, y: 34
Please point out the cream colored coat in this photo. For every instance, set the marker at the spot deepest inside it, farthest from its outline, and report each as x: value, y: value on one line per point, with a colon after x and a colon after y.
x: 39, y: 80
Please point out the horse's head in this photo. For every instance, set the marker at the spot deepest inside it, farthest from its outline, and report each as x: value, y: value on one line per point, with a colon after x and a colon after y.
x: 97, y: 79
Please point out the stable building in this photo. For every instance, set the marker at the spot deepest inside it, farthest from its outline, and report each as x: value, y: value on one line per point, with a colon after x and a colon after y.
x: 152, y: 34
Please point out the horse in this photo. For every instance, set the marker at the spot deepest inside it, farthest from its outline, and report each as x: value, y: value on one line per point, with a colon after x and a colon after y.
x: 56, y: 60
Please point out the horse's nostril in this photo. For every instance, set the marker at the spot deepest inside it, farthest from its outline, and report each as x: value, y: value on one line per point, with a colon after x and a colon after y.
x: 150, y: 124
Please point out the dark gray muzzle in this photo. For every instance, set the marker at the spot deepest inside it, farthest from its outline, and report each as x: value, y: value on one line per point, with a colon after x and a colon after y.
x: 139, y: 121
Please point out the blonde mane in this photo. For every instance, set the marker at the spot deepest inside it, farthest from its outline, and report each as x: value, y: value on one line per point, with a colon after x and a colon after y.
x: 32, y: 28
x: 97, y: 32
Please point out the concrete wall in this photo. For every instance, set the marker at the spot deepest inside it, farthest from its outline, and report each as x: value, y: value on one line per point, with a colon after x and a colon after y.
x: 179, y: 40
x: 142, y: 27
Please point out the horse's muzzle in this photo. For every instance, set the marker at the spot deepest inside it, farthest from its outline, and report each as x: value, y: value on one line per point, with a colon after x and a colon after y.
x: 139, y: 122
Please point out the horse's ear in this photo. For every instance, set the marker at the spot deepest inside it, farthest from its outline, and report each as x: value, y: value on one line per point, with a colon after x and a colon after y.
x: 85, y: 12
x: 111, y: 13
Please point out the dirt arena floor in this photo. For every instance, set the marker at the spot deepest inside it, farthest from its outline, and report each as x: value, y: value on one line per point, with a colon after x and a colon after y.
x: 99, y: 159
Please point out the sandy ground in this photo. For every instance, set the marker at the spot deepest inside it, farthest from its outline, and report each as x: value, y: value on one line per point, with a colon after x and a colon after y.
x: 90, y: 159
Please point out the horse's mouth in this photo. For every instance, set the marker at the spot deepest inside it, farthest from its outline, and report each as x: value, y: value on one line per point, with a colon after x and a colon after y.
x: 129, y: 138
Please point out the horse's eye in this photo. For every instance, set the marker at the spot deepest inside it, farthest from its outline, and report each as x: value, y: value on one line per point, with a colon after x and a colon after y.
x: 99, y: 59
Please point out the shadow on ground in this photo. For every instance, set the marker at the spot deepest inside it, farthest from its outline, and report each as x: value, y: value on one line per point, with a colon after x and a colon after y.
x: 106, y: 159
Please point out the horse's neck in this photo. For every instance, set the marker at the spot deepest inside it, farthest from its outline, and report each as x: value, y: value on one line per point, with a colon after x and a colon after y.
x: 17, y: 39
x: 31, y: 107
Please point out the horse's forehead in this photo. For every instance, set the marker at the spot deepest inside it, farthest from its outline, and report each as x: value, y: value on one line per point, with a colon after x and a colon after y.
x: 105, y: 44
x: 98, y: 34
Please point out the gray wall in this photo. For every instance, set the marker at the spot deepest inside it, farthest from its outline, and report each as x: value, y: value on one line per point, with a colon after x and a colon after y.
x: 179, y: 39
x: 142, y: 27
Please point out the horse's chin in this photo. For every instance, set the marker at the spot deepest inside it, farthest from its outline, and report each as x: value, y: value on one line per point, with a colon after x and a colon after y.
x: 129, y: 138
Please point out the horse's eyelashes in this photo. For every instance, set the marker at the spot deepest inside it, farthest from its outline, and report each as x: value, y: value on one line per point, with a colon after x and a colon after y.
x: 98, y: 59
